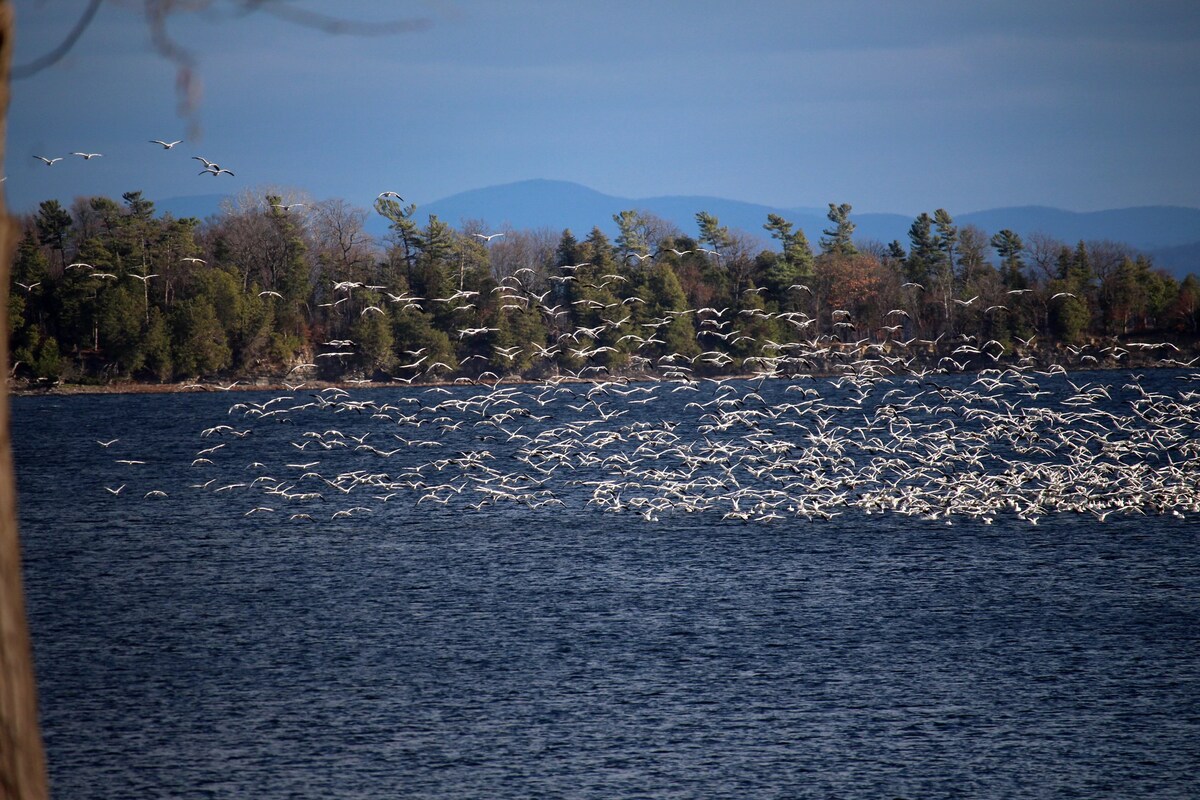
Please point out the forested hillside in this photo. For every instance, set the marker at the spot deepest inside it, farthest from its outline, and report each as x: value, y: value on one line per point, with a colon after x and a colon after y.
x: 109, y: 291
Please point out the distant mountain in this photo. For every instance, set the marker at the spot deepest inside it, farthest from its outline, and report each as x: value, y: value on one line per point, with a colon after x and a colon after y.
x: 1180, y: 260
x: 1169, y: 234
x: 1144, y: 227
x: 561, y: 204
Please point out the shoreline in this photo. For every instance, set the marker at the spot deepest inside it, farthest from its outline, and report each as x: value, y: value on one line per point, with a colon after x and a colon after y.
x: 267, y: 385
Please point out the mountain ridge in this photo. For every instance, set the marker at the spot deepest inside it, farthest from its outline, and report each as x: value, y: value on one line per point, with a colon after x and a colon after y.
x: 1171, y: 234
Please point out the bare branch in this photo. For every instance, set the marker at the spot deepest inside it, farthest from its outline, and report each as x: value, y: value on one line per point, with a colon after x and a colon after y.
x: 187, y: 81
x: 57, y: 54
x: 333, y: 25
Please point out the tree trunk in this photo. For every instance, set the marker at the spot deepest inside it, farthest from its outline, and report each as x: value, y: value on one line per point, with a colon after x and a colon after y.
x: 22, y: 762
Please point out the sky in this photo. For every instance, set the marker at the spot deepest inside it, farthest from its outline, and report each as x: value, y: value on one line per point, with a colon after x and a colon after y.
x: 890, y: 106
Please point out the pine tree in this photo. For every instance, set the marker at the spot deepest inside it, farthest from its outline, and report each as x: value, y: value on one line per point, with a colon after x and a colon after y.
x: 922, y: 251
x: 54, y: 227
x: 1009, y: 247
x: 795, y: 263
x: 838, y: 239
x: 630, y: 237
x: 200, y: 346
x: 945, y: 241
x: 405, y: 235
x: 712, y: 232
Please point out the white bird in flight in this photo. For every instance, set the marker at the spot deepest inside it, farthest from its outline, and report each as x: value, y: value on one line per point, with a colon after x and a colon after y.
x: 49, y: 162
x: 87, y: 156
x: 391, y: 194
x: 166, y: 145
x: 487, y: 237
x: 211, y: 167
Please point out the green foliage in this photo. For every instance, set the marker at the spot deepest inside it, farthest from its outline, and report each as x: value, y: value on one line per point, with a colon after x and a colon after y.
x: 794, y: 265
x: 838, y: 240
x: 53, y: 226
x: 46, y: 360
x: 405, y: 235
x: 632, y: 235
x: 1069, y: 315
x: 712, y: 232
x: 200, y: 344
x: 372, y: 335
x: 597, y: 250
x: 259, y: 289
x: 120, y: 329
x: 1010, y: 248
x: 414, y: 332
x: 922, y: 251
x: 156, y: 348
x: 945, y: 242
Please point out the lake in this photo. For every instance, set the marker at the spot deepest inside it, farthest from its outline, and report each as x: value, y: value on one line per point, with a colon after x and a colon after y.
x: 545, y: 591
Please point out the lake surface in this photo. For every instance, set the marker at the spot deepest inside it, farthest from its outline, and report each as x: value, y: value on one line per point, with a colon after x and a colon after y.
x: 596, y: 638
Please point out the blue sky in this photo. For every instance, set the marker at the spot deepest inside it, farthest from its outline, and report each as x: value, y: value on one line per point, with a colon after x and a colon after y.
x: 891, y: 106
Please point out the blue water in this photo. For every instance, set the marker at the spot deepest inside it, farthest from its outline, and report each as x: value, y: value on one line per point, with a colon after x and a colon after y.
x: 184, y: 649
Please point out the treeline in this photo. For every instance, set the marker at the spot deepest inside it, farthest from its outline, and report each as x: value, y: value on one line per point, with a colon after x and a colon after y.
x: 108, y: 291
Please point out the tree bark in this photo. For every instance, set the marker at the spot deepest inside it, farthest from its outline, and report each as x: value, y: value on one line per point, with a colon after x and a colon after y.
x: 22, y: 761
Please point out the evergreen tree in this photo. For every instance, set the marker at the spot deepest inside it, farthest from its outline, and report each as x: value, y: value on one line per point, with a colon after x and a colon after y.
x: 121, y: 329
x: 1068, y: 314
x: 922, y: 251
x: 795, y: 263
x: 599, y: 251
x: 838, y: 239
x: 972, y: 256
x: 712, y: 232
x: 631, y: 237
x: 414, y: 332
x: 28, y: 309
x: 372, y: 335
x: 945, y: 241
x: 289, y: 274
x: 405, y: 235
x: 1010, y: 248
x: 1075, y: 268
x: 567, y: 252
x: 200, y: 346
x: 156, y: 347
x: 54, y: 227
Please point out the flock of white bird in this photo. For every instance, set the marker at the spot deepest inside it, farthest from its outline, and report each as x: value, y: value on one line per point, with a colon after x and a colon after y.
x: 870, y: 438
x: 210, y: 167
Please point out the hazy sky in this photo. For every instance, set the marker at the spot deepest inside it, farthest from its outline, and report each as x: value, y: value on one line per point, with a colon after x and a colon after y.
x: 891, y: 106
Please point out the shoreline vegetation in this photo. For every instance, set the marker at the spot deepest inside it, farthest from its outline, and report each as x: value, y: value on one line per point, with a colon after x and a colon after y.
x: 107, y: 297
